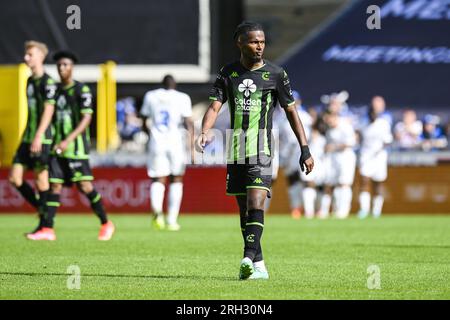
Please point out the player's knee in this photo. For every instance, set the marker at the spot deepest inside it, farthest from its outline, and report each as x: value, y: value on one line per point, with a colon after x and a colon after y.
x: 377, y: 186
x: 255, y: 202
x: 85, y: 187
x: 160, y: 179
x: 42, y: 185
x: 176, y: 179
x: 310, y: 184
x: 293, y: 178
x: 56, y: 188
x: 16, y: 181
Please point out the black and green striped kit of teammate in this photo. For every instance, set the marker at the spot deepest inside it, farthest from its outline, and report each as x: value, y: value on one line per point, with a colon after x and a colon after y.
x: 40, y: 91
x: 72, y: 165
x: 252, y: 97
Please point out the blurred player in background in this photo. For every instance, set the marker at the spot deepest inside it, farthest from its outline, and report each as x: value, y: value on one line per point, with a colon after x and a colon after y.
x: 315, y: 179
x: 34, y: 150
x: 373, y: 162
x: 70, y: 155
x: 340, y: 160
x: 252, y: 86
x: 167, y: 110
x: 290, y: 153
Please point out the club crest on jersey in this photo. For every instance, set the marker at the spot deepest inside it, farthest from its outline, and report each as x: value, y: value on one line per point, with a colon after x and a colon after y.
x: 265, y: 75
x: 247, y: 87
x: 61, y: 102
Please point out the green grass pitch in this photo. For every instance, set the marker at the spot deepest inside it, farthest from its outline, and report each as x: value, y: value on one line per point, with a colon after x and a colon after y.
x: 306, y: 259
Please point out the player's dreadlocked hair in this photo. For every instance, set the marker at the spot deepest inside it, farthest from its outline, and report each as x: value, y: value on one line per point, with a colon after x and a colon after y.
x: 246, y: 27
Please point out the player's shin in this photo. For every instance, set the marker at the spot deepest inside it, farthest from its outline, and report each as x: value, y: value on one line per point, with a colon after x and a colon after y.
x: 378, y: 201
x: 157, y: 190
x: 345, y: 202
x: 364, y: 204
x: 325, y: 204
x: 295, y: 191
x: 97, y: 206
x: 28, y: 193
x: 309, y: 198
x: 53, y: 202
x: 175, y: 196
x: 253, y: 232
x: 42, y: 206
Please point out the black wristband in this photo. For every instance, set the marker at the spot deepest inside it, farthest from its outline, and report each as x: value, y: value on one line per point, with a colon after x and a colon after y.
x: 305, y: 152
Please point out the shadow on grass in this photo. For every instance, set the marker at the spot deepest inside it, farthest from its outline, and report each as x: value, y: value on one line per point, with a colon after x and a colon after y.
x: 402, y: 246
x: 190, y: 277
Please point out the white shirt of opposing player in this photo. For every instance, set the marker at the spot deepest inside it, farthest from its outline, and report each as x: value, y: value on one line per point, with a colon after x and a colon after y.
x: 166, y: 110
x: 341, y: 164
x: 343, y: 133
x: 374, y: 137
x: 374, y: 157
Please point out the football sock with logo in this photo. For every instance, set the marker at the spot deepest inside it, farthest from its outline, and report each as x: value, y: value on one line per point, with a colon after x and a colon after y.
x: 253, y: 232
x: 28, y: 193
x: 96, y: 204
x: 258, y: 255
x: 53, y: 202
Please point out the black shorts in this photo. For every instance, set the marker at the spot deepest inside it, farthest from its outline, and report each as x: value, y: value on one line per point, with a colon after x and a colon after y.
x: 67, y: 171
x: 241, y: 177
x: 24, y: 157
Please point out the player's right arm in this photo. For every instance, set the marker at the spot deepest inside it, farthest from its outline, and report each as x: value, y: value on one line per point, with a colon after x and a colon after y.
x: 218, y: 97
x: 209, y: 119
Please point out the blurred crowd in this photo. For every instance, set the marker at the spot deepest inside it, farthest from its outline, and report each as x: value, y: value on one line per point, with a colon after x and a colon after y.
x: 428, y: 132
x: 411, y: 131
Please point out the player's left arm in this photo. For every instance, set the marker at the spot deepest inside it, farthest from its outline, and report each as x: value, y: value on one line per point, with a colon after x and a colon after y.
x: 84, y: 123
x: 287, y: 101
x: 46, y: 117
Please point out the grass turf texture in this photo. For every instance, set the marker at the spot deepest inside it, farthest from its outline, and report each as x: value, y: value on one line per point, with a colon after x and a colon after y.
x: 306, y: 259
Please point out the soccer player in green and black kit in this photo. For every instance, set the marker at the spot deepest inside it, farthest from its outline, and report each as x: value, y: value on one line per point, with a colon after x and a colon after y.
x: 252, y: 87
x: 69, y: 162
x: 34, y: 150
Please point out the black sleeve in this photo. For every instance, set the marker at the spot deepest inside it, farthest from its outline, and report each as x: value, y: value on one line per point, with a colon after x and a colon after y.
x: 49, y: 91
x: 86, y: 100
x: 284, y: 91
x: 218, y: 91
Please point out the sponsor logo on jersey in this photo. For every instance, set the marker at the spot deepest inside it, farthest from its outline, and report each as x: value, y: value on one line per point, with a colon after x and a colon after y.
x: 247, y: 87
x: 247, y: 104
